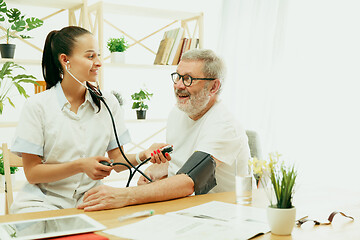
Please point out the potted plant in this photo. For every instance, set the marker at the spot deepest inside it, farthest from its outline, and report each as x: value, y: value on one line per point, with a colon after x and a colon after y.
x: 117, y: 47
x: 14, y: 22
x: 278, y: 181
x: 10, y: 81
x: 139, y: 102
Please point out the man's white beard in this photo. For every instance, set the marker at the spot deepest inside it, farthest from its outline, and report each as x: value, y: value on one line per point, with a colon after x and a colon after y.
x: 195, y: 104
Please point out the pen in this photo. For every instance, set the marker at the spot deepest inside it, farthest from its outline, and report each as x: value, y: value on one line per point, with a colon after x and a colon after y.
x: 137, y: 214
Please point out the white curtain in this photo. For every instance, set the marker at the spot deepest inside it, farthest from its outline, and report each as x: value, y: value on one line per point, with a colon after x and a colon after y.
x: 251, y: 43
x: 293, y: 76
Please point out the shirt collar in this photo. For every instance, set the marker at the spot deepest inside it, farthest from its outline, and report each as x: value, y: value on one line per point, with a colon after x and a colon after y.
x: 63, y: 101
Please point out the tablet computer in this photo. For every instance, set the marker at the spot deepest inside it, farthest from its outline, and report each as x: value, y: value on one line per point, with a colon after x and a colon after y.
x: 49, y: 227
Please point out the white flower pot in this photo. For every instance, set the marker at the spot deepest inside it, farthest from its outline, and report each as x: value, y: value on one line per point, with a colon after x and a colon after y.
x: 118, y: 57
x: 281, y: 220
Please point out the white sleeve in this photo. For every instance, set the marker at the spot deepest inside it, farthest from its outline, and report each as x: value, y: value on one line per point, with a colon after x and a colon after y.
x: 29, y: 136
x: 226, y: 142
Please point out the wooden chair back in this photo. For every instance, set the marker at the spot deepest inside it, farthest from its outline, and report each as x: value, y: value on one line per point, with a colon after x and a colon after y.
x: 40, y: 88
x: 10, y: 160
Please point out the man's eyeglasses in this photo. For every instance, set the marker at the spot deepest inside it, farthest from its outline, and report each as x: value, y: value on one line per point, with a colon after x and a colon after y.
x: 187, y: 79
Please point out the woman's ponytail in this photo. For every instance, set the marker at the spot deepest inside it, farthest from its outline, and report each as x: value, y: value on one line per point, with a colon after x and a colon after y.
x: 50, y: 69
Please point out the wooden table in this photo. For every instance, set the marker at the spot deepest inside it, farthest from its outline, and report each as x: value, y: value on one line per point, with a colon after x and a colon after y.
x: 341, y: 228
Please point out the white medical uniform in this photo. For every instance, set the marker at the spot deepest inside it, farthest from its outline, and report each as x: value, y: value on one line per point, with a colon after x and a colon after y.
x: 216, y: 133
x: 49, y: 129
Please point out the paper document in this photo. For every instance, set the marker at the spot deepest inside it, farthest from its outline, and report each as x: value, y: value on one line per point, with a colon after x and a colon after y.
x: 213, y: 220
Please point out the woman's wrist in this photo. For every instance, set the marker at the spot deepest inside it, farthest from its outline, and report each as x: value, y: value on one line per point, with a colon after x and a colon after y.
x: 140, y: 157
x: 137, y: 157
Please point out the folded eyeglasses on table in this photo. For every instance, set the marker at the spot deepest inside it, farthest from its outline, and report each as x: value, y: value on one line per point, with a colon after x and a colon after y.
x: 316, y: 222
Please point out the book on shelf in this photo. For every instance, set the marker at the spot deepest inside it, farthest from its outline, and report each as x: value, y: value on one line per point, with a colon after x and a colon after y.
x: 178, y: 52
x: 163, y: 51
x: 178, y: 35
x: 171, y: 45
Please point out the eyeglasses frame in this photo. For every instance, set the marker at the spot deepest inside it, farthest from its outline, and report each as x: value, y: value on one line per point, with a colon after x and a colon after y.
x: 192, y: 78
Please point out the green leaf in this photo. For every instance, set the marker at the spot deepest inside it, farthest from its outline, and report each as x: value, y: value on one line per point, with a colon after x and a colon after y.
x: 5, y: 70
x: 11, y: 103
x: 136, y: 105
x: 20, y: 89
x: 1, y: 107
x: 14, y: 15
x: 3, y: 7
x: 24, y: 36
x: 24, y: 78
x: 33, y: 23
x: 18, y: 26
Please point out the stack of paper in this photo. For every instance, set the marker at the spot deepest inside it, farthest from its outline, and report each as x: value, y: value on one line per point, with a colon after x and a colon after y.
x: 213, y: 220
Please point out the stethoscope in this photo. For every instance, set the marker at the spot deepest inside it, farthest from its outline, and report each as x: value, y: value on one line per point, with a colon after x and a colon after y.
x: 96, y: 93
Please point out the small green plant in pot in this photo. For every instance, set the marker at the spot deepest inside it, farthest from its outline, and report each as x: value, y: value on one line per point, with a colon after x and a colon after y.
x: 10, y: 82
x: 117, y: 47
x: 278, y: 180
x: 13, y: 22
x: 139, y: 102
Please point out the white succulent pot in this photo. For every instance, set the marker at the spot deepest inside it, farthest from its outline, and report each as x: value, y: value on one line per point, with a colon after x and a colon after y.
x: 118, y: 57
x: 281, y: 220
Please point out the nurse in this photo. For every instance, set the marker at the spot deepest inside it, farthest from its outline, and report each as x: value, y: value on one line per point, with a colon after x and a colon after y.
x: 64, y: 132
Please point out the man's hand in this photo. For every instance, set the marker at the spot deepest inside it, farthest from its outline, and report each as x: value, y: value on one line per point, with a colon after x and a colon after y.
x: 104, y: 197
x: 154, y: 172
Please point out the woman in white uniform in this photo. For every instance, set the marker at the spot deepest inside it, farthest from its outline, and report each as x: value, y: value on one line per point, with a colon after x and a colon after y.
x: 64, y: 132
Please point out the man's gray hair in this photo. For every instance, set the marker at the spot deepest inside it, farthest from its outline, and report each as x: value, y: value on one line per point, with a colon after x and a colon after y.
x: 213, y: 65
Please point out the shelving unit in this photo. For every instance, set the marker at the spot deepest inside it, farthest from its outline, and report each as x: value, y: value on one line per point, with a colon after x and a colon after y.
x: 70, y: 5
x: 92, y: 18
x: 98, y: 10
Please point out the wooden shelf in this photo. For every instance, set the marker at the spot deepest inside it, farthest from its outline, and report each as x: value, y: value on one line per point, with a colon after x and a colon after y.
x: 62, y: 4
x: 143, y: 66
x: 21, y: 61
x: 144, y: 11
x: 119, y: 65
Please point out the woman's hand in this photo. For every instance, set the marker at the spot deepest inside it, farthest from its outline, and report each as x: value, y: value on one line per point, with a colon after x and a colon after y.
x: 154, y: 151
x: 94, y: 169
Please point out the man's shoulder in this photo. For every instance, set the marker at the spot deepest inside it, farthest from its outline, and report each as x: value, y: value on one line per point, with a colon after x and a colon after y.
x: 222, y: 120
x: 219, y: 113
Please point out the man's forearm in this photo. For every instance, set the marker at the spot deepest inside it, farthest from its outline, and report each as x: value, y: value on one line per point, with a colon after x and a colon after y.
x: 170, y: 188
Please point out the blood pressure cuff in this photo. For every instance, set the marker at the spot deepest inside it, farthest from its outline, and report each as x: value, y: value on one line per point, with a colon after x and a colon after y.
x: 200, y: 167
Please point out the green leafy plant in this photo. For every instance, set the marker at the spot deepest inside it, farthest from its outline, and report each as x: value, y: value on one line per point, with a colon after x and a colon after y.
x: 16, y: 22
x: 117, y: 44
x: 9, y: 81
x: 140, y: 98
x: 2, y: 171
x: 280, y: 177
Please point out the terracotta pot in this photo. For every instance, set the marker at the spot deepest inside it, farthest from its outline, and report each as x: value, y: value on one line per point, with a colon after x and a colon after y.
x: 281, y: 220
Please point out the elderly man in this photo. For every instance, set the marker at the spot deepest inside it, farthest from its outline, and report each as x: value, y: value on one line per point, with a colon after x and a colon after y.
x: 207, y: 142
